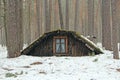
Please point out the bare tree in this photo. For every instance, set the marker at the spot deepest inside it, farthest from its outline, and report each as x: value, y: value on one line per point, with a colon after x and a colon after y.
x: 106, y: 24
x: 67, y: 15
x: 27, y: 21
x: 38, y: 15
x: 91, y: 19
x: 76, y: 23
x: 0, y: 13
x: 50, y: 14
x: 115, y: 25
x: 60, y: 15
x: 97, y: 20
x: 47, y: 17
x: 19, y: 20
x: 1, y: 22
x: 14, y: 27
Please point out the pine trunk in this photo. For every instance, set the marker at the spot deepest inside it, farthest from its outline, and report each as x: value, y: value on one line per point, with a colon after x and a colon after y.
x: 76, y: 23
x: 115, y: 26
x: 91, y: 19
x: 67, y: 15
x: 60, y: 15
x: 106, y: 25
x: 14, y: 27
x: 38, y: 16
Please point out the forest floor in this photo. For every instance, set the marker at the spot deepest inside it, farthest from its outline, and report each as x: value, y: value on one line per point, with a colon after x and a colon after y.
x: 99, y: 67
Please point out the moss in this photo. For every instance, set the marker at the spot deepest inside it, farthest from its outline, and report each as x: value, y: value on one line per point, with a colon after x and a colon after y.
x: 13, y: 75
x: 10, y: 75
x: 95, y: 60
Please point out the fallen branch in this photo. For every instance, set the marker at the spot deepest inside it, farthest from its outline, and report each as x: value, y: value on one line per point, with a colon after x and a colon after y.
x: 26, y: 67
x: 36, y: 63
x: 7, y: 69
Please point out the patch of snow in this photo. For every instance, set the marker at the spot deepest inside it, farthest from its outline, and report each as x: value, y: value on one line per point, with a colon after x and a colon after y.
x: 99, y: 45
x: 3, y: 52
x: 25, y: 45
x: 91, y: 43
x: 99, y: 67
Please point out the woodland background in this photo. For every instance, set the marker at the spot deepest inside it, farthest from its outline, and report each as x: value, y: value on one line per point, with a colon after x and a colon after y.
x: 23, y: 21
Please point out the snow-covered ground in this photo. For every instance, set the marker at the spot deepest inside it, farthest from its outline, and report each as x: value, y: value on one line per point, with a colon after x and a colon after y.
x: 99, y: 67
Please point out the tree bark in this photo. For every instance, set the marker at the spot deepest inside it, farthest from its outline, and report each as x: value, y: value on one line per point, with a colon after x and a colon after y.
x: 50, y: 14
x: 76, y: 23
x: 56, y: 15
x: 106, y: 25
x: 67, y: 15
x: 60, y: 15
x: 5, y: 12
x: 38, y: 16
x: 29, y: 23
x: 91, y: 19
x: 14, y: 36
x: 0, y: 22
x: 115, y: 26
x: 47, y: 17
x: 0, y: 14
x: 19, y: 18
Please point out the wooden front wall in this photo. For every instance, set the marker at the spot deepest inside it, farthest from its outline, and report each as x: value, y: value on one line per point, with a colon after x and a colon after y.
x: 75, y: 47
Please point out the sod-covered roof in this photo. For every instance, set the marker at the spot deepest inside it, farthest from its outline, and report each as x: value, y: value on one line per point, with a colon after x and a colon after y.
x: 92, y: 46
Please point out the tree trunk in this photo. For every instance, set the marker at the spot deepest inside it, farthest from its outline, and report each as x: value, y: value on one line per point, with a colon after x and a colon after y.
x: 5, y: 20
x: 38, y: 16
x: 106, y: 25
x: 0, y: 14
x: 76, y: 23
x: 47, y: 17
x: 19, y: 15
x: 28, y: 33
x: 0, y: 22
x: 14, y: 27
x: 50, y: 14
x: 91, y: 19
x: 67, y: 15
x: 60, y: 15
x: 56, y: 15
x: 115, y: 26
